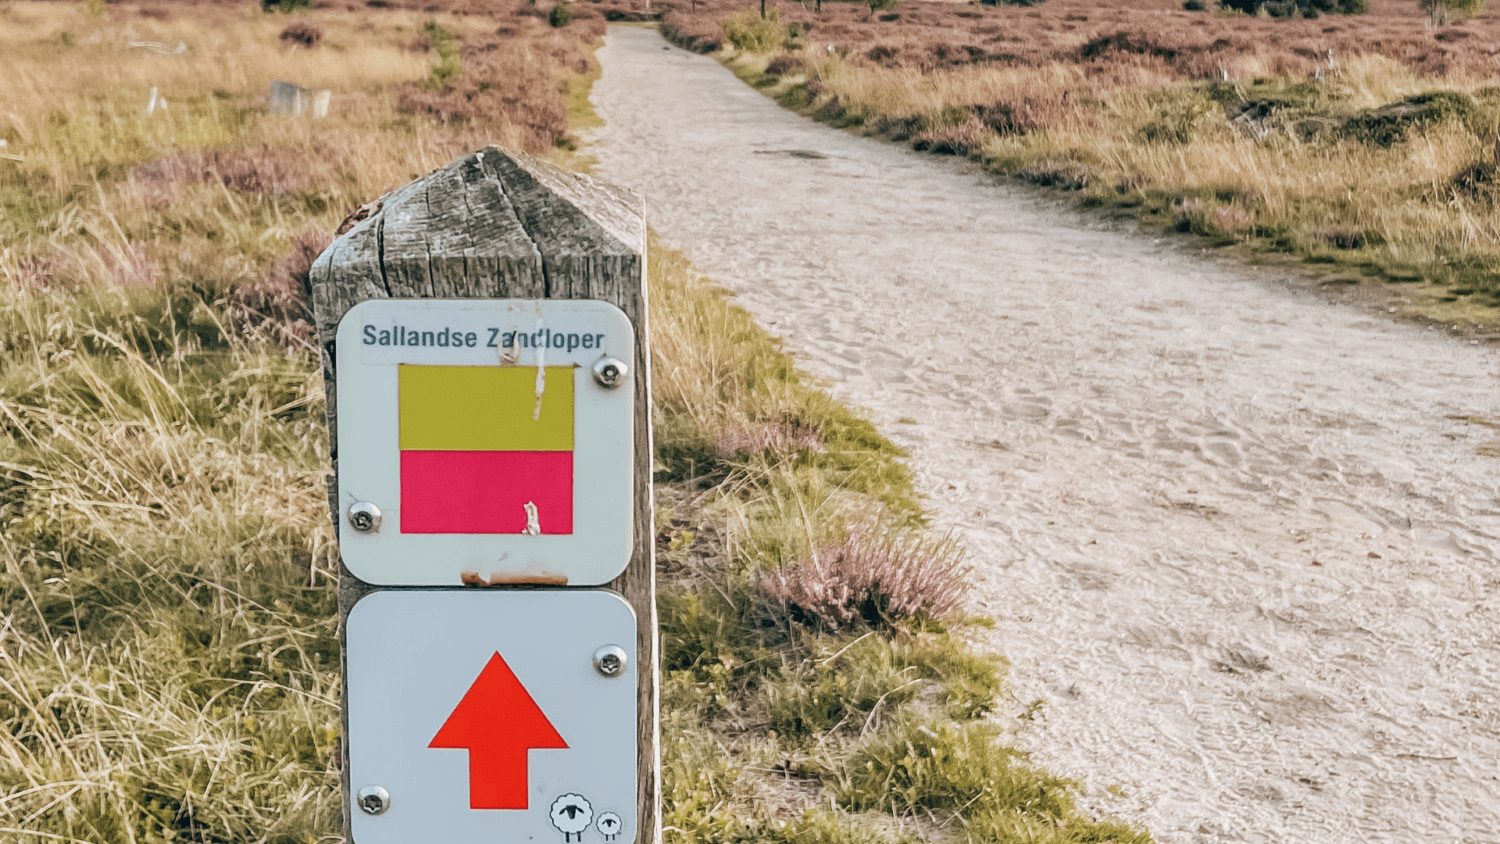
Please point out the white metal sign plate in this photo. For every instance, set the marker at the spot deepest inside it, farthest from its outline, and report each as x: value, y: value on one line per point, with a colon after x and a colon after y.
x: 477, y: 444
x: 484, y: 718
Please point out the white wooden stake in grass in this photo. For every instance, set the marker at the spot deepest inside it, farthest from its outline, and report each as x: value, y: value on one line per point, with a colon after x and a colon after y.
x: 499, y: 225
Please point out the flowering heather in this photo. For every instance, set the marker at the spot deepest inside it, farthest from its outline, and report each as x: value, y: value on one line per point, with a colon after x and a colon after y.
x: 871, y: 580
x: 280, y: 304
x: 261, y: 170
x: 778, y: 436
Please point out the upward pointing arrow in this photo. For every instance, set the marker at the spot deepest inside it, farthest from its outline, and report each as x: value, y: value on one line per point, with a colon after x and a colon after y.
x: 498, y: 723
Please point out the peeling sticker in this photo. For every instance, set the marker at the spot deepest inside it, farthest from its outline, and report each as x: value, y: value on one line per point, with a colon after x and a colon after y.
x: 533, y: 521
x: 513, y: 578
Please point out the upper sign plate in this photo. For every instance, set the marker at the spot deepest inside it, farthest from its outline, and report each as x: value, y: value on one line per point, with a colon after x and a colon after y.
x: 485, y: 441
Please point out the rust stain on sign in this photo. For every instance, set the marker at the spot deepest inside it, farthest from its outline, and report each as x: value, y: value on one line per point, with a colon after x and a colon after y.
x: 514, y: 578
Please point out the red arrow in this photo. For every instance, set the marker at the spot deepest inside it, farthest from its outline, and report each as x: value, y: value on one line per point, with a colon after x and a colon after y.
x: 498, y: 723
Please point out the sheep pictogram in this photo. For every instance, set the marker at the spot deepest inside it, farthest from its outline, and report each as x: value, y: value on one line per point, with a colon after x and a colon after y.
x: 609, y: 825
x: 571, y: 814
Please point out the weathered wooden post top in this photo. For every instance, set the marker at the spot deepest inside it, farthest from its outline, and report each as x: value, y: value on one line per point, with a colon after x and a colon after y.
x: 484, y: 344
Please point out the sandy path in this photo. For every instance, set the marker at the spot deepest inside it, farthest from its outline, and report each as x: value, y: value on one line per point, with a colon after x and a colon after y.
x: 1228, y: 533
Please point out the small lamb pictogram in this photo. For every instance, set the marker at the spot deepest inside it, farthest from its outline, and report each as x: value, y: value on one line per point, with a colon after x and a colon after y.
x: 609, y: 825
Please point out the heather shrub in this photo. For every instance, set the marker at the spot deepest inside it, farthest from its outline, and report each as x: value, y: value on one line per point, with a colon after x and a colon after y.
x: 796, y: 36
x: 750, y: 32
x: 560, y: 15
x: 263, y: 170
x: 784, y: 438
x: 510, y: 95
x: 1392, y: 124
x: 280, y: 304
x: 305, y: 33
x: 785, y: 64
x: 1213, y: 220
x: 1019, y: 115
x: 1298, y: 8
x: 127, y: 265
x: 693, y: 33
x: 870, y: 580
x: 34, y: 272
x: 963, y: 139
x: 1056, y: 173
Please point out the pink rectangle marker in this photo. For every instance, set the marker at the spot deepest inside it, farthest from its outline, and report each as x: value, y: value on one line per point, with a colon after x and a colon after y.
x: 486, y: 491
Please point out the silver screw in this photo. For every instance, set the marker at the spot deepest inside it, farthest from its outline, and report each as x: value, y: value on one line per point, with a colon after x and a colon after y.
x: 364, y: 517
x: 610, y: 660
x: 610, y: 373
x: 373, y: 800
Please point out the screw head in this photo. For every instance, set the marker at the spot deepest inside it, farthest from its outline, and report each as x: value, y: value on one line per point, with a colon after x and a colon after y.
x: 610, y: 660
x: 373, y: 800
x: 610, y: 373
x: 364, y: 517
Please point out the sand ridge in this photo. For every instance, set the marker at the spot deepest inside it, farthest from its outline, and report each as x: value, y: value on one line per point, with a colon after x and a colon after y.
x: 1240, y: 542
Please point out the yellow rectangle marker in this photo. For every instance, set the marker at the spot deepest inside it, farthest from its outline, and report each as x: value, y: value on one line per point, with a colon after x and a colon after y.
x: 485, y: 408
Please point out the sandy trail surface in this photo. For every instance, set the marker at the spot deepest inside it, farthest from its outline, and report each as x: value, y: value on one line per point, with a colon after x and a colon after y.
x: 1240, y: 542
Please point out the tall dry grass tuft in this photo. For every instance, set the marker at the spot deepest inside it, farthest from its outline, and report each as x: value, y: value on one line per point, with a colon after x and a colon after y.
x: 168, y: 647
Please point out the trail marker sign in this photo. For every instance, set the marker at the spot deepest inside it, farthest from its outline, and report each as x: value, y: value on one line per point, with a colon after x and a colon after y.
x: 483, y: 716
x: 484, y: 338
x: 489, y: 447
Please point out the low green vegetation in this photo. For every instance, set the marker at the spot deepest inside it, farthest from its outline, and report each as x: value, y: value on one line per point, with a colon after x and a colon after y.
x: 448, y: 64
x: 752, y: 32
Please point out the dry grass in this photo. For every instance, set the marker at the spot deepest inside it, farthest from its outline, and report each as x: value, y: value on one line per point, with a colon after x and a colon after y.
x: 1283, y: 135
x: 168, y: 650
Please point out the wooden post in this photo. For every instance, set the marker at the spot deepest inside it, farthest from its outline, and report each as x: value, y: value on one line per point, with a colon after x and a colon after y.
x: 497, y: 225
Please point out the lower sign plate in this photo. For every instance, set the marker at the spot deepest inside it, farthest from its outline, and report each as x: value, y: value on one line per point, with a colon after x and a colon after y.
x: 480, y: 716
